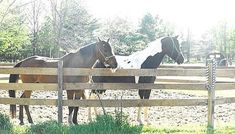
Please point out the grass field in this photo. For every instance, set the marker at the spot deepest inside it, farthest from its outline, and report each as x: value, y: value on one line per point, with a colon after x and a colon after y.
x: 105, y: 124
x: 110, y: 125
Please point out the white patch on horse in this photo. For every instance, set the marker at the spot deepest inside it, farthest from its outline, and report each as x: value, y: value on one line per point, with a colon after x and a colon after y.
x: 135, y: 60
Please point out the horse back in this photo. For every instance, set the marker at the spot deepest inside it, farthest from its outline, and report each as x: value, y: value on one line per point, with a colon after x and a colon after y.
x: 38, y: 61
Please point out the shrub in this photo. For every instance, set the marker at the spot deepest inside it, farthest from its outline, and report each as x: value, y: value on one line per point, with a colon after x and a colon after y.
x: 106, y: 124
x: 48, y: 127
x: 5, y: 124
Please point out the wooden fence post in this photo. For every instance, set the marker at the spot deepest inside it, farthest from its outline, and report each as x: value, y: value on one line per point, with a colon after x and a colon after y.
x: 211, y: 75
x: 60, y: 91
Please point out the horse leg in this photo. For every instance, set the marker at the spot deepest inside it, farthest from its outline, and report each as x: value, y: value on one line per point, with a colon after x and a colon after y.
x: 26, y: 94
x: 89, y: 108
x: 92, y: 96
x: 95, y: 108
x: 144, y: 94
x: 70, y: 95
x: 21, y: 115
x: 21, y: 111
x: 146, y: 113
x: 78, y: 95
x: 28, y: 114
x: 139, y: 116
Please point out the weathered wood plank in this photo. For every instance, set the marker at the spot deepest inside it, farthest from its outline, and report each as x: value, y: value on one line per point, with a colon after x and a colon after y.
x: 134, y: 72
x: 28, y: 101
x: 225, y: 86
x: 60, y: 91
x: 29, y: 70
x: 225, y: 72
x: 184, y: 66
x: 120, y: 72
x: 220, y: 101
x: 126, y: 86
x: 108, y: 72
x: 110, y: 86
x: 180, y: 72
x: 136, y: 102
x: 211, y: 96
x: 29, y: 86
x: 107, y: 103
x: 116, y: 103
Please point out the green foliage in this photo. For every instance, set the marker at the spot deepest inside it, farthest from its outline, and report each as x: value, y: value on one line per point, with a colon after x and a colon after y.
x: 123, y: 36
x: 49, y: 127
x: 5, y: 124
x: 154, y: 27
x: 68, y: 26
x: 148, y: 26
x: 13, y: 34
x: 106, y: 124
x: 78, y: 26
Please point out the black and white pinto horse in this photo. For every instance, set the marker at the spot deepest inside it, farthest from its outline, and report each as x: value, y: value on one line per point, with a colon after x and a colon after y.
x: 149, y: 58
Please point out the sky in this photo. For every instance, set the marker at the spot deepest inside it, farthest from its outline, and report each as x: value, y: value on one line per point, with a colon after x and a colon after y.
x: 196, y: 15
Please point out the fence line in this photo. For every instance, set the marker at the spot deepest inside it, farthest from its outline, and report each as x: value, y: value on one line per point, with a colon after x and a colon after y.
x: 163, y: 71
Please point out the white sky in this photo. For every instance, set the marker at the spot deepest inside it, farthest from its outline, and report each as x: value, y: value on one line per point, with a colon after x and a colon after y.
x: 198, y: 15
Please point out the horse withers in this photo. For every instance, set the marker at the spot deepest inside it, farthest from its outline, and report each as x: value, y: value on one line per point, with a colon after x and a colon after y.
x: 85, y: 57
x: 149, y: 58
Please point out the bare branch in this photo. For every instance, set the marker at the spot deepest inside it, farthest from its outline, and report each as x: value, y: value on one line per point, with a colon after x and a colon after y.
x: 7, y: 11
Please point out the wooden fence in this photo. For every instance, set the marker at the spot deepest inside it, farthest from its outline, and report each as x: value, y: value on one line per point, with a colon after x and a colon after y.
x: 207, y: 84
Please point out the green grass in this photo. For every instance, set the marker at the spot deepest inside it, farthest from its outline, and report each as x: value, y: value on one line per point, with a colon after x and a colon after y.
x: 106, y: 124
x: 187, y: 130
x: 5, y: 124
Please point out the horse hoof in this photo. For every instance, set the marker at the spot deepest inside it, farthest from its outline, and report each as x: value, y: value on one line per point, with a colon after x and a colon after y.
x: 148, y: 123
x: 75, y: 123
x: 140, y: 122
x: 70, y: 122
x: 89, y: 119
x: 21, y: 123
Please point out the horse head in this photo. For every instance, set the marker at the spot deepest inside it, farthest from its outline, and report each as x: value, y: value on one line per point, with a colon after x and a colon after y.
x: 171, y: 47
x: 106, y: 54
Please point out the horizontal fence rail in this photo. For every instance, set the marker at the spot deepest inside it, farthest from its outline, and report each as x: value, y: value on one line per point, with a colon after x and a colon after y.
x: 119, y: 72
x: 107, y: 103
x: 104, y: 71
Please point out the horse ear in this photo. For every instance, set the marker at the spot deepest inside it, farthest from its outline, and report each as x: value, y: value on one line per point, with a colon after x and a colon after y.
x: 108, y: 40
x: 176, y: 36
x: 99, y: 39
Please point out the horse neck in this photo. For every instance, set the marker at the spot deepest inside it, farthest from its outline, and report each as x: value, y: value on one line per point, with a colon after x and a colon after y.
x: 84, y: 57
x: 153, y: 61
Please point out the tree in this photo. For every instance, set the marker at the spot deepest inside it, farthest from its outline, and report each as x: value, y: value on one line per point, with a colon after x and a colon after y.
x: 33, y: 16
x: 154, y: 27
x: 123, y: 36
x: 72, y: 25
x: 13, y: 33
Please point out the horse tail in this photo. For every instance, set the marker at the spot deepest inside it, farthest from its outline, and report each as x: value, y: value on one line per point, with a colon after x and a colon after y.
x: 13, y: 79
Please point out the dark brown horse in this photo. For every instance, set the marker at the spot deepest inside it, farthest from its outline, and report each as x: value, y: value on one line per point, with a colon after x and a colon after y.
x: 167, y: 46
x: 85, y: 57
